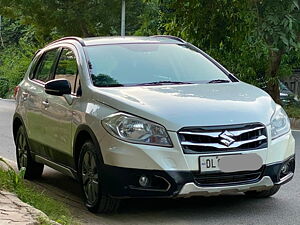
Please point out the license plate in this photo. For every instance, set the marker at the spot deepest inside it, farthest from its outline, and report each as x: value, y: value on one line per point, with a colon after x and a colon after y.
x: 230, y: 163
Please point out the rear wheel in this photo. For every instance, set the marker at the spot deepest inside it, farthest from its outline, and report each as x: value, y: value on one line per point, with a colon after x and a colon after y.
x: 24, y: 159
x: 90, y: 164
x: 263, y: 194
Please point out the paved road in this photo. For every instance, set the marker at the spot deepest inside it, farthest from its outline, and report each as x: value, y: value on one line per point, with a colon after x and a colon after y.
x: 283, y: 208
x: 6, y: 142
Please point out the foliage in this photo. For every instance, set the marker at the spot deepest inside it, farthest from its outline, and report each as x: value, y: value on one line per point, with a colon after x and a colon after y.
x: 13, y: 182
x: 293, y: 111
x: 54, y: 18
x: 13, y: 65
x: 256, y: 40
x: 14, y: 179
x: 152, y: 21
x: 29, y: 25
x: 278, y: 25
x: 19, y: 47
x: 4, y: 87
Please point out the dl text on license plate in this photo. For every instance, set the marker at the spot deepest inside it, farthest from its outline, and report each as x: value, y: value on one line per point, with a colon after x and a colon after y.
x: 210, y: 163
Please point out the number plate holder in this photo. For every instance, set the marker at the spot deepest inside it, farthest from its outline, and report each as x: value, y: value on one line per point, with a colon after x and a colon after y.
x: 230, y: 163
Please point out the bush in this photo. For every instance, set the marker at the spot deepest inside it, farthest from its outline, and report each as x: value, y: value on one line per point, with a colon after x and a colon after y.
x: 14, y: 62
x: 293, y: 111
x: 4, y: 87
x: 19, y: 45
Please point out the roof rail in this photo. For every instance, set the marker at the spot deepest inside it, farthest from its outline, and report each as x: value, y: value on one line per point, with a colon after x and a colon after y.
x: 169, y: 37
x: 80, y: 40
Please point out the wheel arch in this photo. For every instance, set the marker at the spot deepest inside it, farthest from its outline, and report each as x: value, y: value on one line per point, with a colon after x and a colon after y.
x: 83, y: 133
x: 17, y: 122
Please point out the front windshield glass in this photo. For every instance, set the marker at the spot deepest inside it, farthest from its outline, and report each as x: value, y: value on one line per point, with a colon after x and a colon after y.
x: 152, y: 64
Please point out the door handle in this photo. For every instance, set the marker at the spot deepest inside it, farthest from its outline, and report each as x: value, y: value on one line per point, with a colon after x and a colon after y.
x: 45, y: 103
x: 24, y: 96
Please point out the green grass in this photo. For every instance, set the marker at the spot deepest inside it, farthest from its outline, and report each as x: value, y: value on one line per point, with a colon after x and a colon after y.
x: 293, y: 111
x: 14, y: 182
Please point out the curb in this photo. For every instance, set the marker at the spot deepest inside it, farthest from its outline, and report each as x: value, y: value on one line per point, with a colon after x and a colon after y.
x: 7, y: 99
x: 36, y: 214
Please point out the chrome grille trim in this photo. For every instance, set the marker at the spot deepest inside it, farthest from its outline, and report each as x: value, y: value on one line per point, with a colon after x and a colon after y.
x: 216, y: 134
x: 241, y: 137
x: 217, y: 145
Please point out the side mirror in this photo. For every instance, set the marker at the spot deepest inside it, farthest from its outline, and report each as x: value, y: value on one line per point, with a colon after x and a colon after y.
x: 58, y: 87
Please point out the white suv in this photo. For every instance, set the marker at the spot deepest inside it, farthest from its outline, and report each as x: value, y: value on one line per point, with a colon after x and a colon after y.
x: 148, y: 117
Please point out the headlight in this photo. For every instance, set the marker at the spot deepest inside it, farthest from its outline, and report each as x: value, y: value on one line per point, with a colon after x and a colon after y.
x: 280, y: 123
x: 136, y: 130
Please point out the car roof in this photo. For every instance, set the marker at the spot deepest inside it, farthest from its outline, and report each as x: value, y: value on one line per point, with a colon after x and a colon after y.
x: 92, y: 41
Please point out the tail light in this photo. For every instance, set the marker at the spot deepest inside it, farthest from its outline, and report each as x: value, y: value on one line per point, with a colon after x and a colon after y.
x: 17, y: 88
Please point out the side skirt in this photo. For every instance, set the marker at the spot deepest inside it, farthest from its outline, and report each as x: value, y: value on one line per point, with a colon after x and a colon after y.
x: 65, y: 170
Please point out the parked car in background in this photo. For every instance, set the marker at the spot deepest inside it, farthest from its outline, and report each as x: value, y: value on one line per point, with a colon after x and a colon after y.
x: 148, y: 117
x: 287, y: 97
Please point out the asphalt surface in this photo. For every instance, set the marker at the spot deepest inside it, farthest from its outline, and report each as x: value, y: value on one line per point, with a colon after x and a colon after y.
x: 283, y: 208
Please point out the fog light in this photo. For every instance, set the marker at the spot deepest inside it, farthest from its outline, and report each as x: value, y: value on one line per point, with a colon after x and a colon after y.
x: 285, y: 169
x: 144, y: 181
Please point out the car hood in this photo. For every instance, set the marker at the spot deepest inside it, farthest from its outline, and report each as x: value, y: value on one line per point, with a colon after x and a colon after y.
x: 177, y: 106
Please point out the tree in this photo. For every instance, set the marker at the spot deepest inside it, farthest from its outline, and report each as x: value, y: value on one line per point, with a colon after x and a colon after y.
x: 55, y: 18
x: 250, y: 37
x: 20, y: 45
x: 278, y: 25
x: 29, y: 25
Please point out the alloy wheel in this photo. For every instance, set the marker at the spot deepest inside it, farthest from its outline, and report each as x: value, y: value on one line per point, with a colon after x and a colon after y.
x: 22, y: 150
x: 90, y: 177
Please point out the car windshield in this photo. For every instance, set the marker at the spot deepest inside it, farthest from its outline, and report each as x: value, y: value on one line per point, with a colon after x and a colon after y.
x: 150, y: 64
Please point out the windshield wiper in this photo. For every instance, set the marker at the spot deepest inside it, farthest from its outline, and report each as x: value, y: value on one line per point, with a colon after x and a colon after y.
x: 218, y: 81
x: 164, y: 82
x: 110, y: 85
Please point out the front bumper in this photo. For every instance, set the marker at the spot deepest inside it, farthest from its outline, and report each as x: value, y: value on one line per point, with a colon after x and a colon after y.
x: 174, y: 172
x: 124, y: 182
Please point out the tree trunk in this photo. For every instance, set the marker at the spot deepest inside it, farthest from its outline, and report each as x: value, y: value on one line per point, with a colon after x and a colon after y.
x: 84, y: 31
x: 272, y: 75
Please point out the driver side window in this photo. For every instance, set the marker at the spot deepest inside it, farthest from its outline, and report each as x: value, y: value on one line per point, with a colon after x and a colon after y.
x: 67, y: 69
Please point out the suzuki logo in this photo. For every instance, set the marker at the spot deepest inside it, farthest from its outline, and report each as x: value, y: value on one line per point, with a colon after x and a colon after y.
x: 226, y: 138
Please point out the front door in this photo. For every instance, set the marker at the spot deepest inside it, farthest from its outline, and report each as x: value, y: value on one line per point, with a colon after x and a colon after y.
x: 57, y: 113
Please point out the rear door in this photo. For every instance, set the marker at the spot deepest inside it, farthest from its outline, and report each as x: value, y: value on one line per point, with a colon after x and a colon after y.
x: 57, y: 114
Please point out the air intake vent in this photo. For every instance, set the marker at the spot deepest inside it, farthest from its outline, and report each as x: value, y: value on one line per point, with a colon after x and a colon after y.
x: 227, y: 178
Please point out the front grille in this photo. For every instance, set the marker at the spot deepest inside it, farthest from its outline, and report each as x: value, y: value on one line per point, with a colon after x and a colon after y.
x: 227, y: 178
x: 223, y: 138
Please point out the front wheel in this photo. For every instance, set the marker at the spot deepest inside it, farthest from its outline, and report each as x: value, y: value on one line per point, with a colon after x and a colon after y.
x: 24, y: 160
x: 95, y: 199
x: 263, y: 194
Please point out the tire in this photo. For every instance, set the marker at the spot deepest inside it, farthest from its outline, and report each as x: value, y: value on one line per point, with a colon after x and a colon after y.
x: 263, y: 194
x: 89, y: 173
x: 33, y: 169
